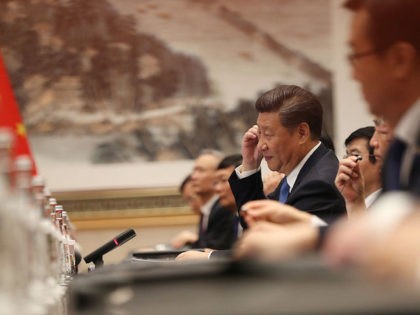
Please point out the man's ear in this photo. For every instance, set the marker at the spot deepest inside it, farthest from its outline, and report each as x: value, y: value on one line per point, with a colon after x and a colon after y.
x: 304, y: 132
x: 403, y: 58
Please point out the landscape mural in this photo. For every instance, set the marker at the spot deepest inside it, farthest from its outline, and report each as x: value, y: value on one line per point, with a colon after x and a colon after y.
x: 133, y: 81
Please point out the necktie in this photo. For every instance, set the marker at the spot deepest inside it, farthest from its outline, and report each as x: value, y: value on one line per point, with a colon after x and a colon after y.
x: 284, y: 191
x: 201, y: 232
x: 415, y: 171
x: 392, y: 165
x: 235, y: 226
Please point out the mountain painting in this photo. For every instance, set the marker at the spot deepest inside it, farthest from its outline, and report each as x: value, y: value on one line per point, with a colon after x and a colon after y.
x: 104, y: 82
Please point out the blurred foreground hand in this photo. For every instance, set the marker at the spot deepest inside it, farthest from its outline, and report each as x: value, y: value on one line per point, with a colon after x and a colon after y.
x: 194, y: 255
x: 272, y: 242
x: 272, y: 211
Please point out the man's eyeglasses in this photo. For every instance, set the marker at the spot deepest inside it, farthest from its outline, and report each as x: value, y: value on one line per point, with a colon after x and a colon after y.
x: 357, y: 55
x: 356, y: 154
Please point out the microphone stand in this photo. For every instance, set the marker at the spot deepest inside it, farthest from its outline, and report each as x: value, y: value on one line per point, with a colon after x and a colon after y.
x: 98, y: 262
x: 96, y: 257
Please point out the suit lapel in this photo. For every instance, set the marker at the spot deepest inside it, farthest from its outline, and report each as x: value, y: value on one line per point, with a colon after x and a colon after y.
x: 213, y: 212
x: 318, y: 154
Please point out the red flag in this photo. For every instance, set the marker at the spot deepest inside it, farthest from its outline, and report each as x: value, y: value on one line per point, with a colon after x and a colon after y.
x: 10, y: 117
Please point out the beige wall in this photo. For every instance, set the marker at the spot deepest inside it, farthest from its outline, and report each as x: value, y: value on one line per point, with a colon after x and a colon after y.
x: 350, y: 111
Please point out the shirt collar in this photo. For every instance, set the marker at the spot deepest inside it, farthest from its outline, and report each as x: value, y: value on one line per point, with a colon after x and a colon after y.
x: 408, y: 127
x: 291, y: 178
x: 372, y: 197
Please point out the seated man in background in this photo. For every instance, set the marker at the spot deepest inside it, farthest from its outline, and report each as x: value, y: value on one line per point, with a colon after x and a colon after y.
x: 222, y: 188
x: 287, y: 136
x: 359, y: 174
x: 349, y: 237
x: 215, y: 230
x: 226, y: 199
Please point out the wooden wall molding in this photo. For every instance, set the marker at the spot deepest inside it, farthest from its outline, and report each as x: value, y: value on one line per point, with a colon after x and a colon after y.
x: 107, y: 209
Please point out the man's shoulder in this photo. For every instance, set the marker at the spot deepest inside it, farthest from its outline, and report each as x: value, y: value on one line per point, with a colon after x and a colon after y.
x: 324, y: 152
x: 322, y: 160
x: 320, y: 168
x: 220, y: 210
x: 221, y: 216
x: 328, y: 159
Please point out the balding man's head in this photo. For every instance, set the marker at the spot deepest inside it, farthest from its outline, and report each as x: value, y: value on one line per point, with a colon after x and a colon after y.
x: 202, y: 177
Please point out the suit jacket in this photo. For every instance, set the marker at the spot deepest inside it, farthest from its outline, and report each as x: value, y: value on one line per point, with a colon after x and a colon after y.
x: 314, y: 190
x: 220, y: 233
x: 409, y: 181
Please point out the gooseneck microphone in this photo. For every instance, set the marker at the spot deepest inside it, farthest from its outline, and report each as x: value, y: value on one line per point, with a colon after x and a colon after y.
x: 96, y: 255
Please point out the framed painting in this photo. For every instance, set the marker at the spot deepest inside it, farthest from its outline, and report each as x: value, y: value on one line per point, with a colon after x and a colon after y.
x: 122, y: 94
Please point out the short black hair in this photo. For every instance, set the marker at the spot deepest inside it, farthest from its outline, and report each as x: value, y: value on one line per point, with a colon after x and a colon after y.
x: 231, y: 160
x: 391, y: 21
x: 294, y: 105
x: 363, y: 133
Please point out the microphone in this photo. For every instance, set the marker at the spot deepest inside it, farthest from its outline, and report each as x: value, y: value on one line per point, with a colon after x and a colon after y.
x: 96, y: 255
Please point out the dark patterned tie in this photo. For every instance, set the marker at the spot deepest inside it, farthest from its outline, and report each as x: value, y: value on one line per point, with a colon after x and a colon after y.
x: 284, y: 191
x: 414, y: 179
x: 392, y: 165
x: 235, y: 226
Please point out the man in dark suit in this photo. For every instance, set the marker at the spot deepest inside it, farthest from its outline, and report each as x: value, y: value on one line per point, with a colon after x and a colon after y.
x: 385, y: 41
x: 385, y: 60
x: 215, y: 229
x: 227, y: 200
x: 287, y: 137
x: 359, y: 173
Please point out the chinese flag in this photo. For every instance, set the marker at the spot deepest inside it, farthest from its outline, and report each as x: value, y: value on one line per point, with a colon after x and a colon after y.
x: 10, y: 117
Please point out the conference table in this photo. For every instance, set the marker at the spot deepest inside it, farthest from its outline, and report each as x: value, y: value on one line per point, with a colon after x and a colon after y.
x: 153, y: 283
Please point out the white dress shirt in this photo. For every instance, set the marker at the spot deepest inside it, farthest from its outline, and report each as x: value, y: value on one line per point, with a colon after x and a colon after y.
x: 372, y: 197
x: 206, y: 209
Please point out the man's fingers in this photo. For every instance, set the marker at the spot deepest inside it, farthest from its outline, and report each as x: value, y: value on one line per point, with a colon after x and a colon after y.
x: 252, y: 133
x: 342, y: 179
x: 255, y: 204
